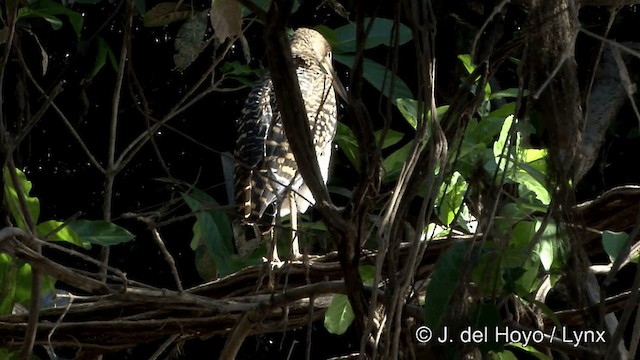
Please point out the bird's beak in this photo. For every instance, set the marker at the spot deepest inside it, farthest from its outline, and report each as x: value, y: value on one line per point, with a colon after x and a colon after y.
x: 337, y: 84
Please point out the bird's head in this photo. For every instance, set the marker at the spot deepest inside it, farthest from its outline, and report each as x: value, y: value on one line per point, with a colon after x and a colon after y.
x: 308, y: 42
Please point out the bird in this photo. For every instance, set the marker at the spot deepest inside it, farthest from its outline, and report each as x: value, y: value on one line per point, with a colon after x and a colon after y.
x: 267, y: 182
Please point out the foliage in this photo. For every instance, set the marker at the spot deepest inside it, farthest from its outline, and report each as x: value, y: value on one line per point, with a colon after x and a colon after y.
x: 15, y: 274
x: 490, y: 214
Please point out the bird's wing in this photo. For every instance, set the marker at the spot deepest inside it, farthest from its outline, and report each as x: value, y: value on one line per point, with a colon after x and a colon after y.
x: 265, y: 166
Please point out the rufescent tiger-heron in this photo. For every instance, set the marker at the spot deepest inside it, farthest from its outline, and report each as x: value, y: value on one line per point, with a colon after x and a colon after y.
x: 267, y: 182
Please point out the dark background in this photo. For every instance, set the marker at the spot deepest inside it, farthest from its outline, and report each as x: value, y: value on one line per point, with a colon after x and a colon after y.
x: 66, y: 183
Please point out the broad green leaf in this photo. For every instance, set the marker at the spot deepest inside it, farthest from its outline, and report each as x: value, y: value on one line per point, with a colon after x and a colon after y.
x: 100, y: 232
x: 393, y: 163
x: 65, y: 234
x: 346, y: 141
x: 530, y: 350
x: 409, y: 110
x: 613, y: 243
x: 547, y: 245
x: 166, y: 13
x: 367, y: 273
x: 506, y: 93
x: 214, y: 232
x: 487, y: 316
x: 49, y: 11
x: 379, y: 76
x: 380, y: 34
x: 12, y: 200
x: 103, y: 53
x: 465, y: 59
x: 391, y: 137
x: 446, y: 275
x: 205, y: 262
x: 451, y: 200
x: 487, y: 274
x: 189, y: 41
x: 8, y: 273
x: 24, y: 279
x: 500, y: 148
x: 339, y: 315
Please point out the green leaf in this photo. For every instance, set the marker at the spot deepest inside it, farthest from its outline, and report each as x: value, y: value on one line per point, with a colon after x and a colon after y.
x: 48, y: 10
x: 409, y: 110
x: 23, y: 281
x: 12, y: 200
x: 506, y: 93
x: 452, y: 199
x: 214, y: 230
x: 100, y: 232
x: 8, y: 273
x: 380, y: 34
x: 391, y: 137
x: 379, y: 76
x: 393, y: 163
x: 339, y: 315
x: 500, y: 147
x: 65, y: 234
x: 189, y: 41
x: 103, y: 53
x: 466, y: 60
x: 548, y: 244
x: 613, y: 243
x: 444, y: 282
x: 346, y: 141
x: 166, y: 13
x: 530, y: 350
x: 487, y: 274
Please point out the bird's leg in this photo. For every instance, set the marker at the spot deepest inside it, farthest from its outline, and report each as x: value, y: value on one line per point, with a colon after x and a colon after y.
x: 270, y: 236
x: 295, y: 246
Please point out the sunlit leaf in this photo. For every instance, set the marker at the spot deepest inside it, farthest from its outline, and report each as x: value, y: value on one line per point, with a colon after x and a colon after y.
x: 409, y: 110
x: 100, y: 232
x: 166, y: 13
x: 339, y: 315
x: 12, y: 200
x: 8, y: 273
x: 65, y: 234
x: 451, y: 198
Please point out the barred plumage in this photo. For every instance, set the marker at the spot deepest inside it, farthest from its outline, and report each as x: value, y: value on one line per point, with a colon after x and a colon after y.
x: 266, y: 169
